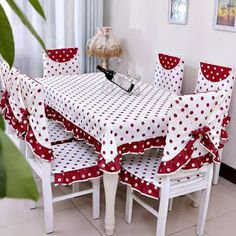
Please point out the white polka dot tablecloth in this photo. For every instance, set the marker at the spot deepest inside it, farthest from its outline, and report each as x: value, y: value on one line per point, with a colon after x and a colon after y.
x: 114, y: 121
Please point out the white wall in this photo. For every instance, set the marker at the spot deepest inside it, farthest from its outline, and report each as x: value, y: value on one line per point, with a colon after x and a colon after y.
x: 143, y: 28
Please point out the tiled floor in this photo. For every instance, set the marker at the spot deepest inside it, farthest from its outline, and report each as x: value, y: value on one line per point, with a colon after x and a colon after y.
x: 73, y: 218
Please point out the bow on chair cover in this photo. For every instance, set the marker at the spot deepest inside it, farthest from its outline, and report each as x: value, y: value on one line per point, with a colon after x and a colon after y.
x: 193, y: 132
x: 37, y: 132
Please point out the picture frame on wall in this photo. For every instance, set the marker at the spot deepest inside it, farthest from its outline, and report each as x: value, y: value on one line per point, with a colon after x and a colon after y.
x: 178, y: 11
x: 225, y: 15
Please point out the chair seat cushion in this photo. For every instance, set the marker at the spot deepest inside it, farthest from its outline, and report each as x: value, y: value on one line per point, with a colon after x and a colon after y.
x: 74, y: 161
x: 140, y: 172
x: 57, y: 133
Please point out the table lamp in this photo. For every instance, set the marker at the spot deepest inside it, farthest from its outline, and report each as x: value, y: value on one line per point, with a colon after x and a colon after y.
x: 104, y: 45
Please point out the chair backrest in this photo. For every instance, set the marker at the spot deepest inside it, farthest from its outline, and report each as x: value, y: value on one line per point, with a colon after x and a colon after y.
x: 213, y: 77
x: 169, y: 73
x: 37, y: 134
x: 193, y: 132
x: 63, y: 61
x: 4, y: 75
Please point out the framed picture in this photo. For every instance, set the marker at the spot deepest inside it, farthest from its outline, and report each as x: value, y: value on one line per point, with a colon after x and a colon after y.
x: 178, y: 11
x: 225, y: 15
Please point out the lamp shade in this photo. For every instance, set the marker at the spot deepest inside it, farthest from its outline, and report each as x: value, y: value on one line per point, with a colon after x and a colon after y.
x: 103, y: 44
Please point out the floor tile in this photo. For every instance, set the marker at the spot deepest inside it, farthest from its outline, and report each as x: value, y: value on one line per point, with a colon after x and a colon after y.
x: 15, y: 211
x: 223, y: 225
x: 66, y: 223
x: 187, y: 232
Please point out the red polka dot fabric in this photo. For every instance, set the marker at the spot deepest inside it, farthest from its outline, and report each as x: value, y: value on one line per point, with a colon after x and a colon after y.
x: 12, y: 106
x: 63, y: 61
x: 71, y: 161
x: 193, y: 131
x: 114, y: 122
x: 74, y: 162
x: 169, y: 73
x: 141, y: 173
x: 192, y: 141
x: 37, y: 134
x: 213, y: 77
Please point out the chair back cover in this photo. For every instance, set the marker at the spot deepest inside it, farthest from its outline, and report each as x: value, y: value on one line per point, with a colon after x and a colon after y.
x: 169, y: 73
x: 37, y: 135
x: 193, y: 132
x: 213, y: 77
x: 57, y: 62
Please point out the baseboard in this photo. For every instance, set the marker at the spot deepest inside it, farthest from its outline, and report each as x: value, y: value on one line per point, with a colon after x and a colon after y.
x: 228, y: 173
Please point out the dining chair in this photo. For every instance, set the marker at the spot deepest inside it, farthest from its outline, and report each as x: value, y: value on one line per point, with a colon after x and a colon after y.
x: 11, y: 107
x: 169, y: 73
x: 214, y: 77
x: 61, y: 164
x: 186, y: 164
x: 63, y: 61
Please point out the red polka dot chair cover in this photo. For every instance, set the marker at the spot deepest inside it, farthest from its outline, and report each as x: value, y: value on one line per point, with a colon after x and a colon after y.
x: 192, y: 142
x: 213, y: 77
x: 12, y: 104
x: 63, y: 61
x: 71, y: 161
x: 37, y: 134
x: 169, y: 73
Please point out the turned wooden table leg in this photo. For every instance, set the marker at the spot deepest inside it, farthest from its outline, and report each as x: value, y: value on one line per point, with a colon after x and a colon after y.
x: 110, y: 186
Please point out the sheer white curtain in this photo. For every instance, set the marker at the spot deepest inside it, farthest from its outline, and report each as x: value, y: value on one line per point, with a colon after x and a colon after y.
x: 70, y: 23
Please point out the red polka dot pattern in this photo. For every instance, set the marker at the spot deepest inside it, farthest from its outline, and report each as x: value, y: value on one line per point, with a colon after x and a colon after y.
x: 194, y: 131
x: 63, y: 61
x: 112, y: 166
x: 115, y: 123
x: 12, y: 106
x: 140, y: 174
x: 37, y: 134
x: 168, y: 62
x: 215, y: 73
x: 62, y: 55
x: 169, y: 73
x: 213, y: 77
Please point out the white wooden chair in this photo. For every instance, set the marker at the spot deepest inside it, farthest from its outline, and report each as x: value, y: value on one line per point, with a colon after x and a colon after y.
x: 186, y: 165
x: 61, y: 164
x: 64, y: 61
x: 213, y: 77
x: 169, y: 73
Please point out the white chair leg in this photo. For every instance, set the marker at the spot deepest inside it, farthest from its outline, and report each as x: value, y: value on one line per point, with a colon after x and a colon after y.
x: 96, y: 198
x: 170, y: 207
x: 216, y: 174
x: 197, y: 199
x: 75, y: 187
x: 47, y: 198
x: 129, y: 205
x: 163, y: 209
x: 205, y: 197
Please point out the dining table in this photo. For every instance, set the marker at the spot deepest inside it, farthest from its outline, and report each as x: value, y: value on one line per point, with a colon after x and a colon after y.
x: 115, y: 122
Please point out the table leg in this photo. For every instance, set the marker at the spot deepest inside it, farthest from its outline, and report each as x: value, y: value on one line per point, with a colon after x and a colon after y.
x: 110, y: 186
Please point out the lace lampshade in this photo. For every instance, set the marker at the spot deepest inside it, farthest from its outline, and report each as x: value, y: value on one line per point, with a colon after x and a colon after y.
x: 104, y: 45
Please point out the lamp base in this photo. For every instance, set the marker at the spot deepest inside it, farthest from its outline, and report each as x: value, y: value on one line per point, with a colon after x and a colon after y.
x: 105, y: 63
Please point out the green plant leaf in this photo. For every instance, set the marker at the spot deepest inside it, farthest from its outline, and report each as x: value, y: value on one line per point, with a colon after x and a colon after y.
x: 7, y: 49
x: 25, y: 21
x: 19, y: 182
x: 36, y: 5
x: 2, y: 126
